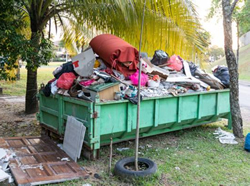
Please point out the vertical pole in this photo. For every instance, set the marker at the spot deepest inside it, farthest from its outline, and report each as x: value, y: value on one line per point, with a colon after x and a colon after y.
x: 138, y: 94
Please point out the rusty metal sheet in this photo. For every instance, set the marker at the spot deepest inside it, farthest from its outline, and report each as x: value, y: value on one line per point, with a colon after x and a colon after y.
x: 39, y: 161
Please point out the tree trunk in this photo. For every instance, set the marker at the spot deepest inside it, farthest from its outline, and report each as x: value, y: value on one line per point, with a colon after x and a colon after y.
x: 233, y: 70
x: 238, y: 44
x: 31, y: 103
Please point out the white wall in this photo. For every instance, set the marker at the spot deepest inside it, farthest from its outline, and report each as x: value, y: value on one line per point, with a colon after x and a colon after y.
x: 245, y: 39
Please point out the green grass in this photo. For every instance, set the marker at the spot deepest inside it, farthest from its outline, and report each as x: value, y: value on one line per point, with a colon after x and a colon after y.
x: 187, y: 157
x: 18, y: 88
x: 244, y: 63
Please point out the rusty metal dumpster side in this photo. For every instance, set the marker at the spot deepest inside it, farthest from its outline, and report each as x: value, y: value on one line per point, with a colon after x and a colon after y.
x: 117, y: 119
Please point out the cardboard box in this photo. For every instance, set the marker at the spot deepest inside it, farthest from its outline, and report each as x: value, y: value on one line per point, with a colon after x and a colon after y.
x: 84, y: 63
x: 109, y: 93
x: 104, y: 91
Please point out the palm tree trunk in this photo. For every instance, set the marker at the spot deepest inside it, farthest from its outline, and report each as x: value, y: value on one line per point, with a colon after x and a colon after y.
x: 233, y: 70
x: 31, y: 103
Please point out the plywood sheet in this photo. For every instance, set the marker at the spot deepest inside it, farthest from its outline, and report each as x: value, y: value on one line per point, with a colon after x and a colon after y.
x: 39, y: 161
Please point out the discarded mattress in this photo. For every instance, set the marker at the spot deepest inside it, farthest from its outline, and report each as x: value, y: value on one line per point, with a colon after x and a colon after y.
x: 117, y: 53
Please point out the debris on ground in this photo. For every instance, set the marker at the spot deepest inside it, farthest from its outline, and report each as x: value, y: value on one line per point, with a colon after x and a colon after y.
x: 225, y: 137
x: 122, y: 149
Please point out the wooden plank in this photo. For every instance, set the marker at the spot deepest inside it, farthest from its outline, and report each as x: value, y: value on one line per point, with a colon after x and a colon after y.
x: 3, y: 143
x: 21, y: 150
x: 38, y: 161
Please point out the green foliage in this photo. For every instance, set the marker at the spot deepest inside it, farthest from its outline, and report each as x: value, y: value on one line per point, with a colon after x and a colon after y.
x: 38, y: 55
x: 216, y: 52
x: 244, y: 18
x: 12, y: 43
x: 244, y: 63
x: 215, y: 9
x: 240, y: 14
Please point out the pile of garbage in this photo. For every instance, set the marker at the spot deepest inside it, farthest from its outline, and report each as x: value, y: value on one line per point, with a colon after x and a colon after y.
x: 108, y: 70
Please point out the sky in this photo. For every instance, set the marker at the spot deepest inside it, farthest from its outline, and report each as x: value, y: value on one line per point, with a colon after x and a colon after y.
x: 215, y: 25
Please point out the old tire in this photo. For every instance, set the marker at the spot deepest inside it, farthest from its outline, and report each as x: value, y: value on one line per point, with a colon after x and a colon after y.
x: 121, y: 171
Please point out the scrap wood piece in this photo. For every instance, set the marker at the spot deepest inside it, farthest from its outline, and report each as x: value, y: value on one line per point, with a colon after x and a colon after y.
x: 186, y: 69
x: 189, y: 75
x: 209, y: 79
x: 152, y: 69
x: 40, y: 165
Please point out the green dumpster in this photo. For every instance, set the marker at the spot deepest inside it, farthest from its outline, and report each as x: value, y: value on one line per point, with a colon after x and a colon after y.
x: 117, y: 119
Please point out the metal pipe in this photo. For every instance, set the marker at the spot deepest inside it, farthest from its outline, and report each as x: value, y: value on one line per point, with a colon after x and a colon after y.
x: 138, y: 94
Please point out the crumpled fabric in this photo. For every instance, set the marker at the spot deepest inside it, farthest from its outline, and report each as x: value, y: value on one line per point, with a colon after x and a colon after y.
x: 134, y: 78
x: 87, y: 82
x: 115, y: 52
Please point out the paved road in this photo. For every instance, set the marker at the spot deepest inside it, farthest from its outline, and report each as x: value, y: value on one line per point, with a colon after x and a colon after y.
x: 245, y: 95
x: 245, y: 103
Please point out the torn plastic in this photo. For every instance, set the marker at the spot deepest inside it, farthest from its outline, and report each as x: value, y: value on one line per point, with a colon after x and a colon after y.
x: 5, y: 173
x: 225, y: 137
x: 122, y: 149
x: 54, y: 87
x: 106, y: 77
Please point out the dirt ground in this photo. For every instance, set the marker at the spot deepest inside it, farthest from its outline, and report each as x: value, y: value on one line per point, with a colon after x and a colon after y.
x: 13, y: 120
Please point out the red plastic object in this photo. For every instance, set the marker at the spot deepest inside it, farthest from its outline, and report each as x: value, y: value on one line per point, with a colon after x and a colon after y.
x: 66, y: 80
x: 156, y: 77
x: 175, y: 62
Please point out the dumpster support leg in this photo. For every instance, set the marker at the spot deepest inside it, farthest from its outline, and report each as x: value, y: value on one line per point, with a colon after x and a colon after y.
x: 229, y: 124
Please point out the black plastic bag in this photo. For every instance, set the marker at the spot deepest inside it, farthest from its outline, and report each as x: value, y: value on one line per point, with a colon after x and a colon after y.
x: 160, y: 57
x: 192, y: 68
x: 47, y: 89
x: 66, y: 67
x: 222, y: 73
